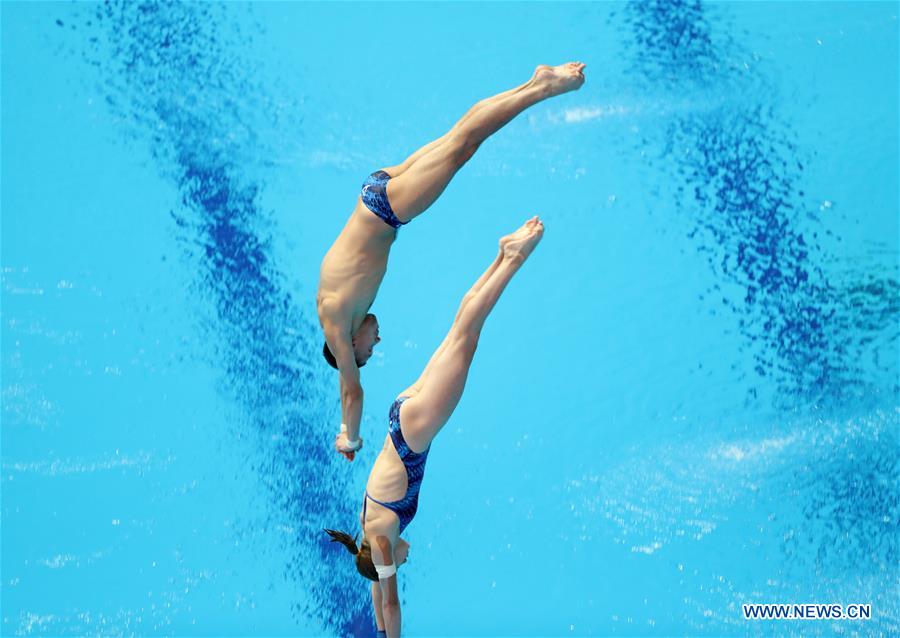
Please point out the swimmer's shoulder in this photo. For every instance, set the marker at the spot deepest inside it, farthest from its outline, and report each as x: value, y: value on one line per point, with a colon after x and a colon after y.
x: 334, y: 313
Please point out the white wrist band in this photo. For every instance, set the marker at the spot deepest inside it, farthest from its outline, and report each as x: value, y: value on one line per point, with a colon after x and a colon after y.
x: 385, y: 571
x: 355, y: 444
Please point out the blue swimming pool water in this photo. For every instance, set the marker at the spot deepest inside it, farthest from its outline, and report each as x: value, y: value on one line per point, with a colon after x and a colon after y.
x: 686, y: 401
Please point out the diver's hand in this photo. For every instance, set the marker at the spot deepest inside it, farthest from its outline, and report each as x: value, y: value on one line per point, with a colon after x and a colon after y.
x: 343, y: 446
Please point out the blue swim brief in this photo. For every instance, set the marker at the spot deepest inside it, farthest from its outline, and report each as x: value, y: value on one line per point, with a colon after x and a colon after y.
x: 374, y: 196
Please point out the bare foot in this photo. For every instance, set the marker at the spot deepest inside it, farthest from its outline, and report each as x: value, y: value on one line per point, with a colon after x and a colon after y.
x: 518, y: 245
x: 559, y: 79
x: 518, y: 233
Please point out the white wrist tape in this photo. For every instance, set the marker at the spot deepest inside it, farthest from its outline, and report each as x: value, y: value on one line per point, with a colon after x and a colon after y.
x: 385, y: 571
x: 355, y: 444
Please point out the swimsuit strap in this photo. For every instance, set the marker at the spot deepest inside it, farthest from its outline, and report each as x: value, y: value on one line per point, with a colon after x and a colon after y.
x: 386, y: 504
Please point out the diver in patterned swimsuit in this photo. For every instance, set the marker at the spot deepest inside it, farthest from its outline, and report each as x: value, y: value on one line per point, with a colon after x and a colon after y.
x: 415, y: 418
x: 354, y: 266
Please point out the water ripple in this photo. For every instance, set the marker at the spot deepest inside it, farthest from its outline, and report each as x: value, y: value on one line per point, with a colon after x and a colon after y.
x: 181, y: 77
x: 736, y: 174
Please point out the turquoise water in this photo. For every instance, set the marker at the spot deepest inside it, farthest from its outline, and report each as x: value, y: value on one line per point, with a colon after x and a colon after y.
x: 687, y: 400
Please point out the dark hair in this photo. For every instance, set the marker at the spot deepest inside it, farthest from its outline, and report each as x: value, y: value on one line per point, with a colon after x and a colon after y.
x: 364, y: 564
x: 326, y: 352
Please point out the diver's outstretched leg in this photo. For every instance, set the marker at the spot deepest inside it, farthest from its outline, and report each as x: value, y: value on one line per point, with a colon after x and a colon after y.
x: 441, y: 385
x: 396, y: 171
x: 418, y: 182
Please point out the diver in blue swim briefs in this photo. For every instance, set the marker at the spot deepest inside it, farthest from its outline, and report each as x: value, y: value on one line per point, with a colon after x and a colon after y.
x: 355, y: 264
x: 414, y: 419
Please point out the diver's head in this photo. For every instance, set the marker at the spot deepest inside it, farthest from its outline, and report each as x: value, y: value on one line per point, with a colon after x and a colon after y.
x: 363, y: 341
x: 365, y: 338
x: 364, y: 564
x: 363, y: 554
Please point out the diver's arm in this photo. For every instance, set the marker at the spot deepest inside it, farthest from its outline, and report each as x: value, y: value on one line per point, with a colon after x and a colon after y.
x: 383, y: 557
x: 351, y: 391
x: 390, y: 606
x: 376, y: 605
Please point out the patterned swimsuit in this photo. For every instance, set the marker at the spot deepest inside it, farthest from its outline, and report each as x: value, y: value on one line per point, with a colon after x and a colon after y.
x: 374, y: 196
x: 406, y: 507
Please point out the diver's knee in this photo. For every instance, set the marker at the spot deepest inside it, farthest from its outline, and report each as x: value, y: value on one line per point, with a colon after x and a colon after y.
x: 467, y: 342
x: 463, y: 147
